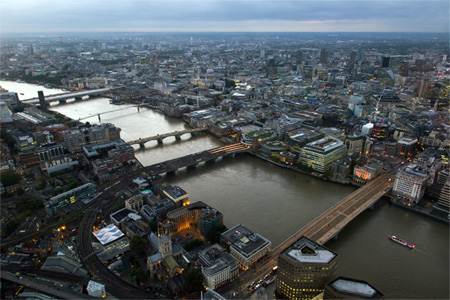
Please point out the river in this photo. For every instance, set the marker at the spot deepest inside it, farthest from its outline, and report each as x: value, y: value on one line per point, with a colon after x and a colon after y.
x: 276, y: 202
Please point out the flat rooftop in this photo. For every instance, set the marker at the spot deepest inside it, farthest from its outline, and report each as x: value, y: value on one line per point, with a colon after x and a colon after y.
x: 355, y: 288
x: 244, y: 240
x: 305, y: 250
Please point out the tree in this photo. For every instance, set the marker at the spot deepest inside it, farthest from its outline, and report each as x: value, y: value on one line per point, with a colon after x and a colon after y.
x: 194, y: 281
x: 140, y: 274
x: 10, y: 178
x: 137, y: 244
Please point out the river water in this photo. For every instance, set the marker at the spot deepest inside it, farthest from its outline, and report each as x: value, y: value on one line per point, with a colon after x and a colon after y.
x: 276, y: 202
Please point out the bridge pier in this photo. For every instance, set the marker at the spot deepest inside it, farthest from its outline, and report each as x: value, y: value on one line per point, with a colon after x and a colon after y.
x: 78, y: 98
x: 160, y: 141
x: 62, y: 101
x: 141, y: 145
x: 178, y: 137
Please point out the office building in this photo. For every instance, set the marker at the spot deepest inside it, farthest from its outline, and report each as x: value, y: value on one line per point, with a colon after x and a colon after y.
x: 409, y: 184
x: 406, y: 147
x: 82, y: 193
x: 303, y: 270
x: 218, y: 266
x: 321, y: 153
x: 346, y: 288
x: 245, y: 246
x: 75, y: 139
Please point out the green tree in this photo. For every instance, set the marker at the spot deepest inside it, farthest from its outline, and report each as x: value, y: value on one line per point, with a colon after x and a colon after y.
x: 9, y: 140
x: 137, y: 244
x: 194, y: 281
x: 140, y: 274
x: 10, y: 178
x: 194, y: 244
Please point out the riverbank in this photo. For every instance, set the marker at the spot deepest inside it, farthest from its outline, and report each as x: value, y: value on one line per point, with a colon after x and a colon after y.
x: 293, y: 168
x: 425, y: 209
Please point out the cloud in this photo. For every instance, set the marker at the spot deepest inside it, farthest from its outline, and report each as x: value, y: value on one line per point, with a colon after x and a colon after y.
x: 27, y: 15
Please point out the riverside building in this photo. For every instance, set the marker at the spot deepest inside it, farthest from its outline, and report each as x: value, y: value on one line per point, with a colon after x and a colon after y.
x: 303, y: 270
x: 320, y: 154
x: 245, y: 246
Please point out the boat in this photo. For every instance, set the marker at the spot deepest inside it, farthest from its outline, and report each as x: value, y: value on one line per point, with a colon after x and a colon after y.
x: 402, y: 242
x: 22, y: 93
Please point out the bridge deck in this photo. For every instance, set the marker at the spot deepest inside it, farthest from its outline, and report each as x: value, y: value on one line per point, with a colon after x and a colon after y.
x: 69, y: 95
x: 327, y: 225
x: 163, y: 136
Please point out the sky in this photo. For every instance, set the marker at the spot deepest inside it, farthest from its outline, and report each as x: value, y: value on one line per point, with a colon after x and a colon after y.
x: 22, y: 16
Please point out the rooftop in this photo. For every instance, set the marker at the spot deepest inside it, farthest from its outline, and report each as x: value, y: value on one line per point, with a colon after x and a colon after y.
x: 356, y: 288
x: 244, y: 240
x: 305, y: 250
x: 108, y: 234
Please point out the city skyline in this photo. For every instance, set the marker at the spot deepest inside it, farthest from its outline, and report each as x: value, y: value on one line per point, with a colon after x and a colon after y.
x: 21, y: 16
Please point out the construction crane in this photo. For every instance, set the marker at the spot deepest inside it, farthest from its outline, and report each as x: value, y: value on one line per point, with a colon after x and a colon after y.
x: 375, y: 135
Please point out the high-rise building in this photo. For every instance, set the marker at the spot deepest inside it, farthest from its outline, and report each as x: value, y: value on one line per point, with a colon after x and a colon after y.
x: 323, y: 56
x: 346, y: 288
x: 303, y: 270
x: 385, y: 62
x: 299, y: 57
x: 75, y: 139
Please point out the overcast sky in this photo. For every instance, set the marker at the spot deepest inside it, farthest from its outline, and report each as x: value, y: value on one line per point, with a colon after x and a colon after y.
x: 224, y: 15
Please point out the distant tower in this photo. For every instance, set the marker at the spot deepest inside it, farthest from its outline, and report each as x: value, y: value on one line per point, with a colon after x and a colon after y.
x: 60, y: 38
x: 271, y: 67
x: 299, y: 57
x: 31, y: 50
x: 385, y: 62
x: 323, y: 56
x: 42, y: 100
x: 262, y: 53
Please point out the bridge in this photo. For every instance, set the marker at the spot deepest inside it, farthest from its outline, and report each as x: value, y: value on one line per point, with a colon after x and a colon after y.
x: 161, y: 137
x: 193, y: 160
x: 332, y: 221
x: 324, y: 227
x: 109, y: 111
x: 62, y: 98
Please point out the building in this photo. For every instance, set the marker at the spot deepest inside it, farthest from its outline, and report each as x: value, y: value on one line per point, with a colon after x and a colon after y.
x: 96, y: 289
x: 245, y: 246
x: 96, y: 82
x: 444, y: 198
x: 218, y: 266
x: 177, y: 195
x: 303, y: 270
x: 75, y: 139
x: 81, y: 193
x: 355, y: 143
x: 340, y: 169
x: 409, y: 184
x: 346, y: 288
x: 406, y: 147
x: 319, y: 154
x: 188, y: 217
x: 363, y: 174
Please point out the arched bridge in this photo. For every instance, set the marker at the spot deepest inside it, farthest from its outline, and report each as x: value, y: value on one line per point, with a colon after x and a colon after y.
x: 194, y: 159
x: 161, y: 137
